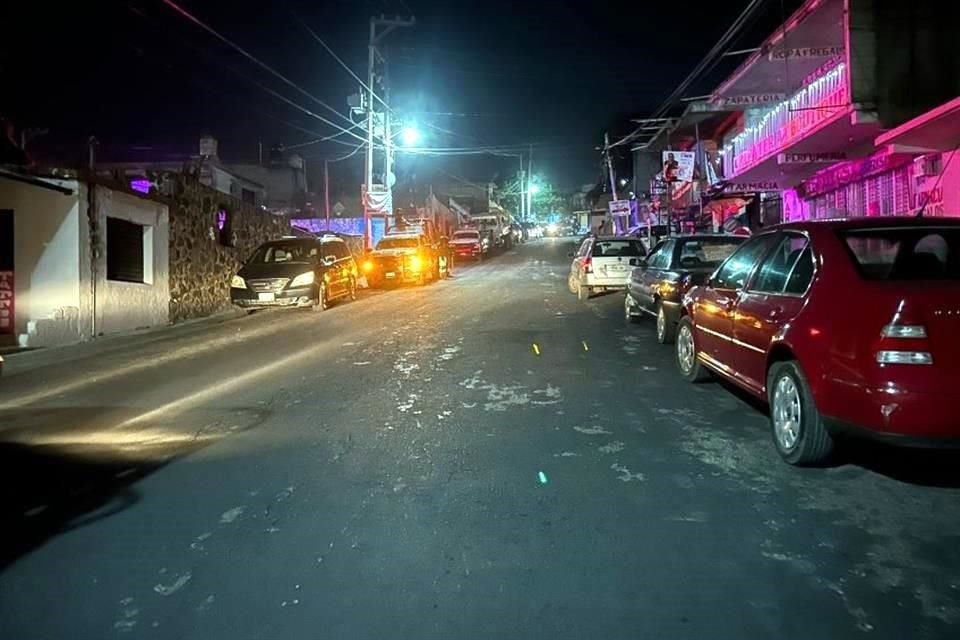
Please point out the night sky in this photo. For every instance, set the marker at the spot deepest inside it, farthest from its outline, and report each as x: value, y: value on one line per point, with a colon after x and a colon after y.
x: 146, y: 81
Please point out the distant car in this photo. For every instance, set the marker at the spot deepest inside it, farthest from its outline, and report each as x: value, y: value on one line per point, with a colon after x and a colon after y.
x: 296, y: 272
x: 468, y: 243
x: 843, y: 326
x: 603, y: 263
x: 401, y: 258
x: 675, y: 265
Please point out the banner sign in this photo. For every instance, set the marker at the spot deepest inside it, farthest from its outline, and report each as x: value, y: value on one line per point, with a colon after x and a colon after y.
x: 810, y: 158
x: 678, y: 166
x: 658, y: 187
x: 619, y: 207
x: 804, y: 52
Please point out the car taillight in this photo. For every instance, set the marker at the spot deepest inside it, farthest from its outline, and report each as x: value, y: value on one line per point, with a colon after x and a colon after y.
x: 898, y: 338
x: 588, y: 264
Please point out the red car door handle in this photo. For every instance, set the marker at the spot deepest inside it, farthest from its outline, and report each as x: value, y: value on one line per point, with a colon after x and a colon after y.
x: 775, y: 313
x: 726, y: 303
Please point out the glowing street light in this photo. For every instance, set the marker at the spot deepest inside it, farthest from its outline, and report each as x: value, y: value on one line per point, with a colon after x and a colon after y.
x: 410, y: 136
x: 534, y: 188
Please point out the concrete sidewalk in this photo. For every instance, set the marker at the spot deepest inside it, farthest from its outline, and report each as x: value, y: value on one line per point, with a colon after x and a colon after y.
x: 15, y: 360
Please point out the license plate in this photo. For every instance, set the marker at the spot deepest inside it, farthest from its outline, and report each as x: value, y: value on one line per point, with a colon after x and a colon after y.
x: 617, y: 267
x: 266, y: 297
x: 390, y: 274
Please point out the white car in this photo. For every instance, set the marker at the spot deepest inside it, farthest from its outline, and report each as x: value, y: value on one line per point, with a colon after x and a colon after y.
x: 604, y: 263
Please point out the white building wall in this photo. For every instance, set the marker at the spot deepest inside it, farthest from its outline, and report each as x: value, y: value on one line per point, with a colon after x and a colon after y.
x: 124, y: 306
x: 46, y: 262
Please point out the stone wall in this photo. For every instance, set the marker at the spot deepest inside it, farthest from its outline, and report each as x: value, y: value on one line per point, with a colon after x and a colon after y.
x: 207, y: 246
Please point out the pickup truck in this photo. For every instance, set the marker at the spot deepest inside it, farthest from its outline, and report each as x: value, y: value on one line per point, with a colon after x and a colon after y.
x: 401, y: 258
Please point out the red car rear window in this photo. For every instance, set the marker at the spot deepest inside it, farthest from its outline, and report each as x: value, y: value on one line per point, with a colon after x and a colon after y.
x: 905, y: 253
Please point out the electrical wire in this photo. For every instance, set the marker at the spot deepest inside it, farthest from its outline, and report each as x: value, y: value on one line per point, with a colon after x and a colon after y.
x: 709, y: 61
x: 183, y: 12
x: 338, y: 59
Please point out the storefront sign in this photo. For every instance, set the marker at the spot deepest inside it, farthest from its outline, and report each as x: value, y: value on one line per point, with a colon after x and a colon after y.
x: 750, y: 187
x: 804, y: 52
x: 731, y: 103
x: 658, y: 187
x: 7, y: 309
x: 678, y: 166
x: 810, y: 158
x: 619, y: 207
x: 849, y: 172
x: 823, y: 69
x: 931, y: 202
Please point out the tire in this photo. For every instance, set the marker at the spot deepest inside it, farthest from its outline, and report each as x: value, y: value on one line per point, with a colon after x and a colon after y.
x: 628, y: 314
x: 666, y: 330
x: 583, y: 293
x: 798, y: 431
x: 323, y: 300
x: 691, y: 369
x: 570, y: 286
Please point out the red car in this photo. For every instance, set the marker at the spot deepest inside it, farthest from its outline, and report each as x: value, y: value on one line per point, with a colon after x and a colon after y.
x: 843, y: 326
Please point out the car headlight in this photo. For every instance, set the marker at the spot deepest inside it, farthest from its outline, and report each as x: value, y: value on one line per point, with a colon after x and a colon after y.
x: 303, y: 279
x: 238, y: 283
x: 415, y: 263
x: 368, y: 266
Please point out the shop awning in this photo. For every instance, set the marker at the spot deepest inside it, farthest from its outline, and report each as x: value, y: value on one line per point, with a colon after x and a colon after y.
x: 935, y: 130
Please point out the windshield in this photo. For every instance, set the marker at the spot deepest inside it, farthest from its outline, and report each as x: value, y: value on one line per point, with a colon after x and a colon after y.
x: 706, y: 252
x: 618, y: 248
x: 277, y: 252
x: 397, y: 243
x: 466, y: 235
x: 905, y: 253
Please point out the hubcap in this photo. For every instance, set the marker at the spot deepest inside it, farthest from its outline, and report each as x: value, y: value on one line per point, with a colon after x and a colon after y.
x: 661, y: 323
x: 786, y: 412
x: 685, y: 349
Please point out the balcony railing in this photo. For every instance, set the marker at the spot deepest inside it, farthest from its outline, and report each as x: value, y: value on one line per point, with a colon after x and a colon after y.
x: 788, y: 122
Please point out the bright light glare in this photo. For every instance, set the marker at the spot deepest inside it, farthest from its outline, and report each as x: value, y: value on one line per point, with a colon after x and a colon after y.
x: 410, y: 136
x: 415, y: 263
x: 534, y: 188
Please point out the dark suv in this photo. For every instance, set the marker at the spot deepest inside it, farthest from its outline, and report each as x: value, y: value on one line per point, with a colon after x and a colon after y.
x: 296, y: 272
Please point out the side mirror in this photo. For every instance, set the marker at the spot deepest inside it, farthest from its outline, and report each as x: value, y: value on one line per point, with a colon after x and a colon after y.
x: 638, y: 262
x: 571, y: 254
x: 329, y: 260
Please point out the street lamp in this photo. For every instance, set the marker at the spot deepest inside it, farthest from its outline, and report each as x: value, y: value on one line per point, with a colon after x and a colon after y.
x: 534, y: 188
x: 410, y: 136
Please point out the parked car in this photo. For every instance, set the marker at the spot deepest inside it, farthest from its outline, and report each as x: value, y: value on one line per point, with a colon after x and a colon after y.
x: 401, y: 258
x: 603, y: 263
x: 844, y: 327
x: 675, y: 265
x: 296, y: 272
x: 468, y: 243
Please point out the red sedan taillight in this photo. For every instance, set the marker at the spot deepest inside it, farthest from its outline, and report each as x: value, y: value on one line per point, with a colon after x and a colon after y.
x: 903, y: 341
x: 588, y: 264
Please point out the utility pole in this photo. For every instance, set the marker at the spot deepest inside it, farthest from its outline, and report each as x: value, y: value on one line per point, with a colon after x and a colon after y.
x: 373, y: 55
x: 613, y: 180
x: 326, y: 191
x: 529, y: 180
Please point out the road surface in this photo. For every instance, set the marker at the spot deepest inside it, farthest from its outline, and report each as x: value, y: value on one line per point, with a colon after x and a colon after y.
x: 485, y: 457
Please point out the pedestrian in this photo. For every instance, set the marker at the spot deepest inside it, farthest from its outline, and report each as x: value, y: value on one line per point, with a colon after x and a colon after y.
x: 447, y: 252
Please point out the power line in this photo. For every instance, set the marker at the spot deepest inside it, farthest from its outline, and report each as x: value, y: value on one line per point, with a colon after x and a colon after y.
x: 342, y: 63
x: 183, y: 12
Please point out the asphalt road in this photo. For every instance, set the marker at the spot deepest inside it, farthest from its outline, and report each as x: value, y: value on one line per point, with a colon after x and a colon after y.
x: 485, y: 457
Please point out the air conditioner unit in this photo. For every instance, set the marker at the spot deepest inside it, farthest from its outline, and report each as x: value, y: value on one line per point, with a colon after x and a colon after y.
x: 929, y: 165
